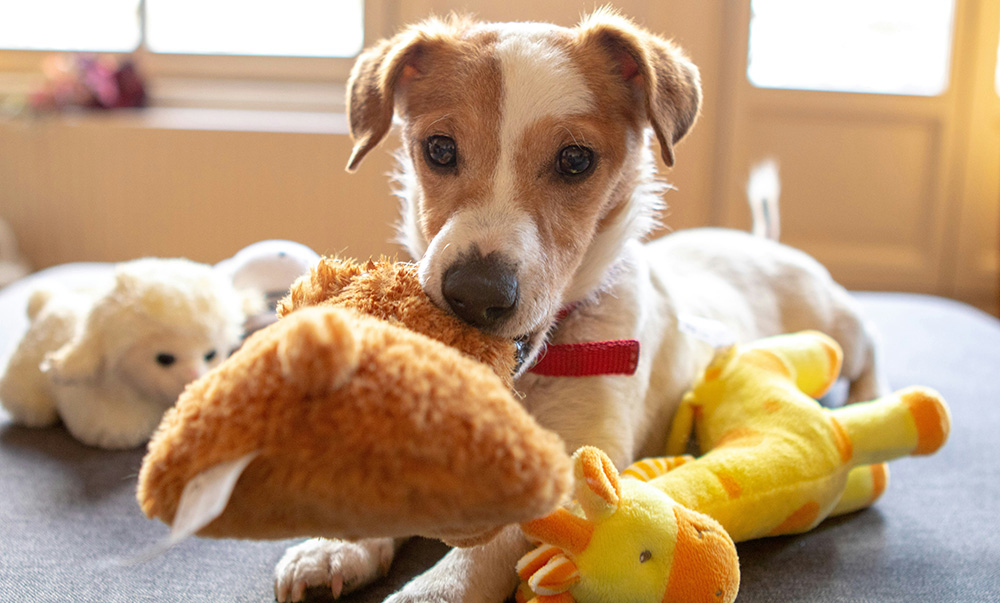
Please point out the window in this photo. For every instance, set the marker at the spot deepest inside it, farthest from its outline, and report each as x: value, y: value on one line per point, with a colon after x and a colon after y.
x: 105, y: 25
x: 221, y: 54
x: 318, y: 28
x: 875, y: 46
x: 302, y: 28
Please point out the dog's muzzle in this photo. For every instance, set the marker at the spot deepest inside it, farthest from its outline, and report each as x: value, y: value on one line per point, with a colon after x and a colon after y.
x: 482, y: 291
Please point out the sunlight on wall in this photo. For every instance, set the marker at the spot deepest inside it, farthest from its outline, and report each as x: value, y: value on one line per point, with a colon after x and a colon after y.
x: 877, y: 46
x: 996, y: 78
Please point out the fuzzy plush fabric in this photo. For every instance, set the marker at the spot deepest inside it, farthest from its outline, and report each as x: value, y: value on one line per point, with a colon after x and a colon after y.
x: 774, y: 462
x: 364, y: 425
x: 90, y: 355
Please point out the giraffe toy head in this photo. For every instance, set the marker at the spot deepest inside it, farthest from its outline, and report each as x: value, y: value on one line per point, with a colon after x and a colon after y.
x: 632, y: 543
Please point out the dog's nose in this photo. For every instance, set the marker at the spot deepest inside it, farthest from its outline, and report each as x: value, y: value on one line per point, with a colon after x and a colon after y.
x: 482, y: 291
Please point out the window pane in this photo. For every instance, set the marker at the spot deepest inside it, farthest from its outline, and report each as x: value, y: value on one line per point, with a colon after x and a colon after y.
x: 321, y: 28
x: 881, y: 46
x: 93, y: 25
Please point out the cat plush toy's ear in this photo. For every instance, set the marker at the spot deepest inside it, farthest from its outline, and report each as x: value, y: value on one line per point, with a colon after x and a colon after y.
x: 78, y: 362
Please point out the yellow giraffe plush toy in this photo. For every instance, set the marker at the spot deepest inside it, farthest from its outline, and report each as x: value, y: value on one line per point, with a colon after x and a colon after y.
x: 773, y: 462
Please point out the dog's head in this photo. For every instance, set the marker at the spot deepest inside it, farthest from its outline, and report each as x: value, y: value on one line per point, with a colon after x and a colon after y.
x: 524, y: 159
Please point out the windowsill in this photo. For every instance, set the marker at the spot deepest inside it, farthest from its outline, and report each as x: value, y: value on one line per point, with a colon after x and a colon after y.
x: 202, y: 119
x: 208, y: 104
x: 215, y: 93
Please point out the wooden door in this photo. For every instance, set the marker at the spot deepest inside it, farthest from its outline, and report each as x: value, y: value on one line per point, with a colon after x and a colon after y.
x: 890, y: 191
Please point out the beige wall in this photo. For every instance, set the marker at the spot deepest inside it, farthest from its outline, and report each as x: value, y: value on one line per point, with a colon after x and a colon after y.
x: 108, y: 189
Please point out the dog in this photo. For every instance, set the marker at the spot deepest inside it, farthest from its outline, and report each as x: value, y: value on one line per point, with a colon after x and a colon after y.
x: 527, y: 186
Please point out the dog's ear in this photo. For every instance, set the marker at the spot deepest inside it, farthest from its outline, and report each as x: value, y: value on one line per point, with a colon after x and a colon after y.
x: 371, y: 90
x: 667, y: 82
x: 381, y: 72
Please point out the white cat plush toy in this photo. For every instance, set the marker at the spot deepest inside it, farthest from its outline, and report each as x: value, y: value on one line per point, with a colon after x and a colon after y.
x: 110, y: 360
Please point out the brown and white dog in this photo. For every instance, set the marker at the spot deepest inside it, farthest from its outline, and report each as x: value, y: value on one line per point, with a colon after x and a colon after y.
x: 527, y: 186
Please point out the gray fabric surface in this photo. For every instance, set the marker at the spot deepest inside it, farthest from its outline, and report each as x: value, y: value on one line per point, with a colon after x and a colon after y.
x: 68, y: 515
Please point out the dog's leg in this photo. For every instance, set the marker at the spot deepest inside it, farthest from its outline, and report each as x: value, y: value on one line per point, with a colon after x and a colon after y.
x: 482, y: 574
x: 485, y: 574
x: 339, y: 565
x: 869, y: 382
x: 860, y: 343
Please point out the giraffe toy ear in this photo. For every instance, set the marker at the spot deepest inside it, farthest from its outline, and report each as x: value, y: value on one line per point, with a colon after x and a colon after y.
x: 597, y: 487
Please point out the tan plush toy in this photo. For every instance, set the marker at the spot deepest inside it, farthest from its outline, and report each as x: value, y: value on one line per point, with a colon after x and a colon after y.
x: 364, y: 411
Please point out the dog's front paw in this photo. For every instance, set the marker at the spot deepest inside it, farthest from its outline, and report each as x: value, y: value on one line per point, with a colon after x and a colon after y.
x: 338, y: 565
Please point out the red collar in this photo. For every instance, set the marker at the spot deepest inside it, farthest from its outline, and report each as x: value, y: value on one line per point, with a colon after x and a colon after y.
x: 589, y: 359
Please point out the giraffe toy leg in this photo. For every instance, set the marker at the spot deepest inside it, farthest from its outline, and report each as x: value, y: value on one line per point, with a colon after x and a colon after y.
x: 865, y: 484
x: 914, y: 420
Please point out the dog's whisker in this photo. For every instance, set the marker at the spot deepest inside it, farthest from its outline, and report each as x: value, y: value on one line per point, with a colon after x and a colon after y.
x: 573, y: 136
x: 440, y: 119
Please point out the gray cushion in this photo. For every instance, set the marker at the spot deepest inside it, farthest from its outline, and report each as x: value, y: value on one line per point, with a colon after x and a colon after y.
x: 68, y: 515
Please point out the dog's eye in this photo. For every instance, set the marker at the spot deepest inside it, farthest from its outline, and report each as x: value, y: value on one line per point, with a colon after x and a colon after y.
x: 574, y: 160
x: 441, y: 151
x: 210, y: 356
x: 165, y: 359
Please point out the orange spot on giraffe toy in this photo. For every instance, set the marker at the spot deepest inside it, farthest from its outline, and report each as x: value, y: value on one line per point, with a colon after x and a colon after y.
x: 656, y: 534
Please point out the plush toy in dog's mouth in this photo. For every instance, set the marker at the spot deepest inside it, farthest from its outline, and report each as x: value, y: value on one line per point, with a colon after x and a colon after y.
x: 204, y: 498
x: 338, y: 424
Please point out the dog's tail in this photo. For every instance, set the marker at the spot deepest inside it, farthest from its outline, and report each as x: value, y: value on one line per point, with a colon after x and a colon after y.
x: 39, y: 297
x: 763, y: 190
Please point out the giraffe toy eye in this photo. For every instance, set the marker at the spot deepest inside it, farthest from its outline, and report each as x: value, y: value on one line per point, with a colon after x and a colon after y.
x: 645, y: 556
